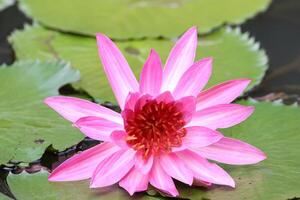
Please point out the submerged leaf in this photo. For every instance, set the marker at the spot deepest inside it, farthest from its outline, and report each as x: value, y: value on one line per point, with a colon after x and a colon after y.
x: 27, y: 126
x: 235, y: 55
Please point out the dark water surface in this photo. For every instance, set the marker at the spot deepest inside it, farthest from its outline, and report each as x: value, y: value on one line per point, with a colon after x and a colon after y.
x: 278, y: 31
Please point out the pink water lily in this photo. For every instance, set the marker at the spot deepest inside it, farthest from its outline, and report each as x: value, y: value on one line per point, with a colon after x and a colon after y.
x: 168, y: 126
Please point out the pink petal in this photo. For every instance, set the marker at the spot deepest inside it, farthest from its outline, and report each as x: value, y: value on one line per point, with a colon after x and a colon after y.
x: 117, y: 70
x: 151, y: 75
x: 135, y: 181
x: 187, y: 106
x: 176, y: 168
x: 144, y: 166
x: 204, y: 170
x: 142, y: 101
x: 200, y: 183
x: 165, y: 97
x: 127, y: 114
x: 232, y: 151
x: 81, y: 166
x: 119, y: 138
x: 97, y: 128
x: 198, y: 136
x: 194, y: 79
x: 73, y: 109
x: 221, y: 116
x: 181, y: 148
x: 113, y: 169
x: 161, y: 180
x: 223, y: 93
x: 180, y: 59
x: 131, y: 100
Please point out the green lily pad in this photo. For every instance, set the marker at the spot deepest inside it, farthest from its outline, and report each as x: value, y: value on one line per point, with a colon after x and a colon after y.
x: 274, y: 128
x: 27, y: 126
x: 123, y: 19
x: 36, y: 186
x: 235, y: 55
x: 5, y: 3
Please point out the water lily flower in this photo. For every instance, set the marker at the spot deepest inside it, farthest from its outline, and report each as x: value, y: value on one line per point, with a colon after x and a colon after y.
x: 167, y: 128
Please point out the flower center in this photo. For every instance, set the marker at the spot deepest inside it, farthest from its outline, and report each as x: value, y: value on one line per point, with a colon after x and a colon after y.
x: 155, y: 128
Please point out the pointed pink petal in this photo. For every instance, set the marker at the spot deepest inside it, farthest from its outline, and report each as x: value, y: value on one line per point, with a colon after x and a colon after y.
x: 127, y: 114
x: 199, y: 136
x: 73, y: 109
x: 204, y: 170
x: 97, y: 128
x: 176, y: 168
x: 81, y: 166
x: 200, y: 183
x: 165, y: 97
x: 180, y: 59
x: 232, y: 151
x: 117, y: 70
x: 221, y: 116
x: 181, y: 148
x: 131, y: 100
x: 142, y: 101
x: 135, y: 181
x: 187, y: 106
x: 223, y: 93
x: 119, y: 138
x: 161, y: 180
x: 194, y: 79
x: 113, y: 169
x: 151, y: 75
x: 144, y: 166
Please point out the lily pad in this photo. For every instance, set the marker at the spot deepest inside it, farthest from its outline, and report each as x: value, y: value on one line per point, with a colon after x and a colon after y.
x: 27, y: 126
x: 36, y: 186
x: 123, y: 19
x: 274, y: 128
x: 235, y: 55
x: 5, y: 3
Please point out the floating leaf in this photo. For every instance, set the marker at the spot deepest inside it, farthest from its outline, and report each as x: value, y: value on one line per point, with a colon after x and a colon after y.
x: 36, y: 186
x: 274, y: 128
x: 235, y: 55
x: 5, y: 3
x: 27, y: 126
x: 123, y: 19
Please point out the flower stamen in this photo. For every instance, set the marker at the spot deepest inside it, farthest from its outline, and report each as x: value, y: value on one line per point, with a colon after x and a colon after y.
x: 155, y: 128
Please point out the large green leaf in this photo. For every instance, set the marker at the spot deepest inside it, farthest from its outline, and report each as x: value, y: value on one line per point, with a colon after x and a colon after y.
x: 36, y: 187
x: 235, y: 55
x: 121, y: 19
x: 27, y: 126
x: 274, y: 128
x: 5, y: 3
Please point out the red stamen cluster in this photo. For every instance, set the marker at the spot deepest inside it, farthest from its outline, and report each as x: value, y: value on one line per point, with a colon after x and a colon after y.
x: 155, y: 128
